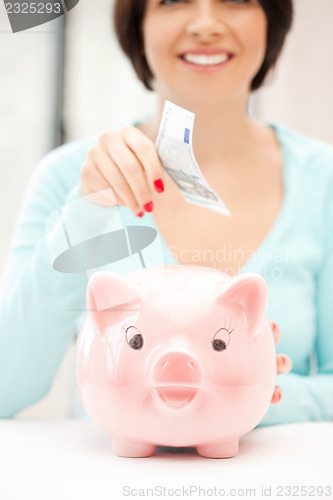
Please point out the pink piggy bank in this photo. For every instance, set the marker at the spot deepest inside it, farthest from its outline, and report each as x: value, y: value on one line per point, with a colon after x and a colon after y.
x: 176, y: 356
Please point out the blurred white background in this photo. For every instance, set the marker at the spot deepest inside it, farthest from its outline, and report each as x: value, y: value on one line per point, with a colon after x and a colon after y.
x: 100, y: 89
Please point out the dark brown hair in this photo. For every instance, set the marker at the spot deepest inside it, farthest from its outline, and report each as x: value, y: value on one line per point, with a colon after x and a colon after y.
x: 128, y: 20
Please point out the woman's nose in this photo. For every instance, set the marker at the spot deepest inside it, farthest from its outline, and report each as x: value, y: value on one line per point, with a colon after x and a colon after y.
x: 205, y: 23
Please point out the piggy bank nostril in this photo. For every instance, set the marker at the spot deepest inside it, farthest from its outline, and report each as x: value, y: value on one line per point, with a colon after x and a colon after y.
x: 191, y: 365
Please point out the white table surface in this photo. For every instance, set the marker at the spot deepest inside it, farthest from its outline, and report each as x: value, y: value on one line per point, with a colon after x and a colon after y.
x: 73, y: 459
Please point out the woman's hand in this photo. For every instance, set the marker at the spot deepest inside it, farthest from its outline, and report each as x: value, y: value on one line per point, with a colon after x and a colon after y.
x: 283, y: 363
x: 127, y: 162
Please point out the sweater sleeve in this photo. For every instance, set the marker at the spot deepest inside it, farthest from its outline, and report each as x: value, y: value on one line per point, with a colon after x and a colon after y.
x: 310, y: 397
x: 39, y: 307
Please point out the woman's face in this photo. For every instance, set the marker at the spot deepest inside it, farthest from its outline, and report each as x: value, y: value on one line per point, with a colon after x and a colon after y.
x: 205, y: 48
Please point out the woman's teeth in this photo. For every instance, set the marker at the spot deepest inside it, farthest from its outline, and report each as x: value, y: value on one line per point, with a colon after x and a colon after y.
x: 206, y: 60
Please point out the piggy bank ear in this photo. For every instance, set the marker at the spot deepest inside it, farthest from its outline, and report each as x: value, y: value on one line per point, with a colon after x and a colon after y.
x: 110, y: 298
x: 249, y: 291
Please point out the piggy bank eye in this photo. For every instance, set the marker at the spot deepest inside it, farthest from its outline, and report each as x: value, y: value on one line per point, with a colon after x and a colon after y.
x: 134, y: 337
x: 221, y: 340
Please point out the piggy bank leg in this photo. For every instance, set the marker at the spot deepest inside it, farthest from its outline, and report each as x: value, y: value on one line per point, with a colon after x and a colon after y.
x: 125, y: 448
x: 225, y: 449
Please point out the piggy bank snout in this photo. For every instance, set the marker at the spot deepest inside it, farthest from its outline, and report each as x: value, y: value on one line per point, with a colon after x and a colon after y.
x: 177, y: 368
x: 176, y: 378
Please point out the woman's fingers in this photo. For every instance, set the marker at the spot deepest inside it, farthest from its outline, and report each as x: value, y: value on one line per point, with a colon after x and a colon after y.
x: 94, y: 181
x: 128, y: 176
x: 277, y: 395
x: 276, y: 332
x: 283, y: 364
x: 127, y: 162
x: 136, y: 158
x: 145, y: 150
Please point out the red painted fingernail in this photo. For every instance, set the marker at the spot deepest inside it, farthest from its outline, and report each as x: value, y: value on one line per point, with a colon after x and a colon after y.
x: 159, y: 186
x: 274, y: 326
x: 148, y: 206
x: 284, y: 360
x: 280, y: 396
x: 140, y: 214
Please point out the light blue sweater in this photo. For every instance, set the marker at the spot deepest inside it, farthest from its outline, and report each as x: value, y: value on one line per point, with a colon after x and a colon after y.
x: 40, y: 307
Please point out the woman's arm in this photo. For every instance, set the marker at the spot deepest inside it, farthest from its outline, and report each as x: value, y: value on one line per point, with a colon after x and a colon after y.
x: 311, y: 397
x: 39, y: 307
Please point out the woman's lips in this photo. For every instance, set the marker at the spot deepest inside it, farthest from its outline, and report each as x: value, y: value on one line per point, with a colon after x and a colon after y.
x: 205, y: 60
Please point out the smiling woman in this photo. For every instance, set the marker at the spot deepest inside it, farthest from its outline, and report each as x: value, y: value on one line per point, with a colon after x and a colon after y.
x: 129, y: 16
x: 226, y: 38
